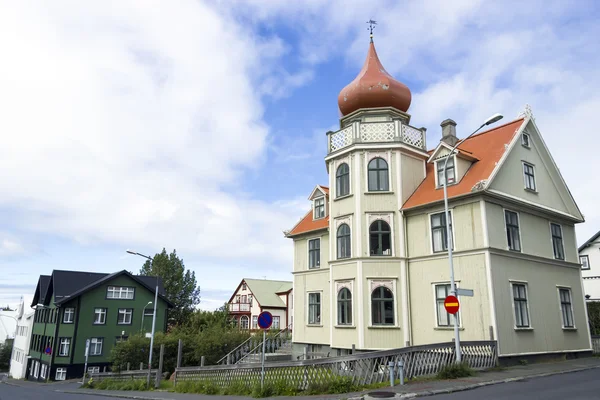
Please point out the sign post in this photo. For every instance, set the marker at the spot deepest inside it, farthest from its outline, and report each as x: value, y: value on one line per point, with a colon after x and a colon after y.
x: 87, y: 350
x: 265, y: 319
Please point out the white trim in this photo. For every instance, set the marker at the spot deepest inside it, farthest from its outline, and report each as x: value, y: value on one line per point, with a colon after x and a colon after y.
x: 437, y: 150
x: 315, y: 208
x: 393, y: 281
x: 514, y: 140
x: 404, y: 290
x: 398, y: 157
x: 361, y: 304
x: 366, y: 147
x: 484, y: 223
x: 491, y: 296
x: 523, y: 135
x: 531, y: 203
x: 308, y: 292
x: 331, y: 314
x: 507, y: 247
x: 512, y: 301
x: 455, y: 166
x: 451, y: 210
x: 358, y: 195
x: 332, y: 231
x: 535, y: 184
x: 312, y: 194
x: 308, y: 239
x: 562, y: 322
x: 390, y: 180
x: 562, y: 239
x: 543, y: 352
x: 384, y: 155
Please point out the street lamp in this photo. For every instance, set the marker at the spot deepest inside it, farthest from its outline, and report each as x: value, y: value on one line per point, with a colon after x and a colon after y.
x: 143, y: 314
x: 489, y: 121
x: 153, y: 316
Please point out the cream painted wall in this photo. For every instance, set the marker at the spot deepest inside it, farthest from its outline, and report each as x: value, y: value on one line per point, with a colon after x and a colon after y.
x: 413, y: 173
x: 312, y: 281
x: 301, y: 250
x: 470, y: 273
x: 536, y: 238
x: 550, y: 190
x: 542, y: 279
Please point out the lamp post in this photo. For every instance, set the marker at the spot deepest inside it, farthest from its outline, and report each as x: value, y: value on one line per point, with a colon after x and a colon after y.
x: 153, y: 316
x: 489, y: 121
x: 143, y: 314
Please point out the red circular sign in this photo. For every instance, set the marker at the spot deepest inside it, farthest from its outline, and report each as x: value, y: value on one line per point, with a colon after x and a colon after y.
x: 451, y: 304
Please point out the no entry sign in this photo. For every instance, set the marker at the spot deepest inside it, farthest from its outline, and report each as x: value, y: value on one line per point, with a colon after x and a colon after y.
x: 451, y: 304
x: 265, y: 319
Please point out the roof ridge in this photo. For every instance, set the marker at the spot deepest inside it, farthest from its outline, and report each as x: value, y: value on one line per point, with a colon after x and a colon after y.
x: 495, y: 128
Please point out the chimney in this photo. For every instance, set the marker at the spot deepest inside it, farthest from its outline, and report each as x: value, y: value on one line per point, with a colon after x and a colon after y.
x: 449, y: 132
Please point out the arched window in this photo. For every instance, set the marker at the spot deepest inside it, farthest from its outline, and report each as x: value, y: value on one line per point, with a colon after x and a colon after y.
x: 380, y: 238
x: 244, y: 322
x: 342, y: 180
x: 382, y: 306
x: 343, y: 241
x: 344, y: 307
x: 378, y: 175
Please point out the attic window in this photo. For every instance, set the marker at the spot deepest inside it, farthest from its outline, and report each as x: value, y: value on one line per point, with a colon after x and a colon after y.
x: 449, y: 171
x: 320, y: 208
x: 244, y: 286
x: 525, y: 140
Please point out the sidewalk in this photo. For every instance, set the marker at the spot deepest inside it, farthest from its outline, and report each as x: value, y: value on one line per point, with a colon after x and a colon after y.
x: 415, y: 389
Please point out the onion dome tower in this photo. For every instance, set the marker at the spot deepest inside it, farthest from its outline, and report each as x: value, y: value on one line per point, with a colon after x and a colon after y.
x: 373, y: 87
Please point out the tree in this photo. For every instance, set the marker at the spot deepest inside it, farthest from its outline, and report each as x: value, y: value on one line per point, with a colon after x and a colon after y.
x: 180, y: 284
x: 5, y: 354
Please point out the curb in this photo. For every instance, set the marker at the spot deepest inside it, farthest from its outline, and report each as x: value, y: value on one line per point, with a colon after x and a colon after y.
x: 481, y: 384
x: 121, y: 396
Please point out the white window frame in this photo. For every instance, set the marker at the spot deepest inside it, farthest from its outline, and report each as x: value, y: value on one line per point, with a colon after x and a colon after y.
x: 371, y: 218
x: 93, y: 370
x: 528, y: 136
x: 388, y: 159
x: 315, y: 217
x: 562, y: 241
x: 94, y: 343
x: 562, y: 320
x: 512, y: 301
x: 435, y: 310
x: 102, y: 312
x: 380, y: 281
x: 125, y: 312
x: 308, y: 251
x: 66, y: 342
x: 255, y: 322
x: 120, y: 292
x: 506, y: 230
x: 525, y: 180
x: 338, y: 287
x: 61, y: 374
x: 320, y: 322
x: 587, y: 262
x: 441, y: 160
x: 43, y: 370
x: 451, y: 211
x: 247, y: 319
x: 341, y: 221
x: 69, y: 311
x: 278, y: 318
x: 337, y: 195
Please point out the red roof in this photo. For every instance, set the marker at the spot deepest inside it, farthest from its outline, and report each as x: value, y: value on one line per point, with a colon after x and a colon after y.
x: 307, y: 224
x: 487, y: 146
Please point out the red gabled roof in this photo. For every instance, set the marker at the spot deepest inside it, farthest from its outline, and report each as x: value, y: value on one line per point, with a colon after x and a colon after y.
x: 488, y: 147
x: 307, y: 224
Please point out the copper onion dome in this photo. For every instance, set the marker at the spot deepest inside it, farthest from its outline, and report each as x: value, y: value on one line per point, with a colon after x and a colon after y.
x: 373, y: 87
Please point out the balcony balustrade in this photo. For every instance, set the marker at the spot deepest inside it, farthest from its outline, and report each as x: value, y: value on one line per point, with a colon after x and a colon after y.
x: 239, y: 307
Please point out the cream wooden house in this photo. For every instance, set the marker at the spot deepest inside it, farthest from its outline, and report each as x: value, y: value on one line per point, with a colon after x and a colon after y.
x: 370, y: 257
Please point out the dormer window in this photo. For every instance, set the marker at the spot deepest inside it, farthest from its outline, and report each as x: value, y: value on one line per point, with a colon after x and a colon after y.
x: 525, y: 140
x: 450, y: 172
x: 320, y: 208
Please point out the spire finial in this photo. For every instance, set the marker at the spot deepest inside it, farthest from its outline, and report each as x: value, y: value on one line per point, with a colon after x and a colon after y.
x: 372, y: 24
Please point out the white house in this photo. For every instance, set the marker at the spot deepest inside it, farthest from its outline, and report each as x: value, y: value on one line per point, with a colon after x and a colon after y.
x: 371, y: 268
x: 589, y: 257
x: 253, y: 296
x: 20, y: 352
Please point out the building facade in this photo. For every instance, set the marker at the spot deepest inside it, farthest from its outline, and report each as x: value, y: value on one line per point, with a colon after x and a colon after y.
x: 20, y: 351
x: 72, y: 307
x: 253, y: 296
x: 589, y: 258
x: 370, y: 258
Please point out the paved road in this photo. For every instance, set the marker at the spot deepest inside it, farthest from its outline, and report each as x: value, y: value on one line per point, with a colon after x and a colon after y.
x: 583, y: 385
x: 42, y: 392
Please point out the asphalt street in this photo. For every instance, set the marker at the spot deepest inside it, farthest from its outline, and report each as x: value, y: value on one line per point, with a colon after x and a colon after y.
x: 42, y: 392
x: 584, y: 385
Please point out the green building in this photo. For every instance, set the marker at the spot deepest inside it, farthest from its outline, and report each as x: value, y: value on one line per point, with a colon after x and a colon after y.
x: 73, y: 306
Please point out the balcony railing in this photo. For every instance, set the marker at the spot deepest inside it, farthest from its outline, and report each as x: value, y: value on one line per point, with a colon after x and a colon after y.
x: 377, y: 132
x: 239, y: 307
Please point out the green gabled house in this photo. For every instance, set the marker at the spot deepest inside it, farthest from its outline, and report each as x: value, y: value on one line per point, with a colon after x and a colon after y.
x: 73, y: 306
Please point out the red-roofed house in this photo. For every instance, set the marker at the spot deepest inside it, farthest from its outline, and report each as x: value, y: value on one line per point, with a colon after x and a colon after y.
x: 371, y: 257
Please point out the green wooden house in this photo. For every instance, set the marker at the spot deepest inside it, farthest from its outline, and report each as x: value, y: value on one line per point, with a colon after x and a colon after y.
x: 73, y: 306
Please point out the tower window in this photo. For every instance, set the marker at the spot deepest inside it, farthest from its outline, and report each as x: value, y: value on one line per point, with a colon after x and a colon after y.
x: 379, y: 238
x: 382, y: 306
x: 343, y: 241
x: 378, y: 175
x: 342, y: 180
x: 344, y: 307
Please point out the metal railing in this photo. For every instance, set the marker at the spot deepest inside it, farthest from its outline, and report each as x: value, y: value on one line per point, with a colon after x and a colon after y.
x: 272, y: 344
x: 363, y: 368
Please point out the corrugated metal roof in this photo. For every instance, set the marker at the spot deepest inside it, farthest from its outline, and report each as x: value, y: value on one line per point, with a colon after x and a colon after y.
x: 265, y: 291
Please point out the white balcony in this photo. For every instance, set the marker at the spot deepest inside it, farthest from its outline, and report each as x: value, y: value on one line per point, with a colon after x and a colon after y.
x: 376, y: 132
x: 239, y: 307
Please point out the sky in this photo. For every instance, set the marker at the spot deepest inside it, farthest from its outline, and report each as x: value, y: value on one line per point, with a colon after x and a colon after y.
x: 200, y: 125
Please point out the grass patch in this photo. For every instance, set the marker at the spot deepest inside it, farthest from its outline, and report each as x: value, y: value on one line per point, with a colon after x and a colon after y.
x: 453, y: 371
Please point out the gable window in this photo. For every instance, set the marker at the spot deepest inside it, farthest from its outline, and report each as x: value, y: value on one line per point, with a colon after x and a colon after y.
x: 343, y: 241
x: 344, y: 307
x: 120, y: 292
x: 520, y: 305
x: 444, y: 318
x: 585, y: 262
x: 314, y: 308
x: 68, y: 315
x: 320, y: 207
x: 61, y: 374
x: 63, y: 348
x: 439, y: 233
x: 525, y: 140
x: 529, y: 176
x: 450, y: 172
x: 557, y: 241
x: 379, y: 238
x: 566, y: 307
x: 244, y: 287
x: 382, y: 306
x: 378, y: 175
x: 99, y: 316
x: 125, y: 316
x: 342, y: 180
x: 511, y: 219
x: 314, y: 253
x: 96, y: 346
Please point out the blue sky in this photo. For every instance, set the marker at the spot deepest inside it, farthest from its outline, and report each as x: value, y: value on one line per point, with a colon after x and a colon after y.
x: 201, y: 126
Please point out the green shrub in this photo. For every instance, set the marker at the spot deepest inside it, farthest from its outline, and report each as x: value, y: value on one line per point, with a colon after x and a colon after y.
x: 341, y: 384
x: 523, y: 362
x: 282, y: 388
x: 265, y: 391
x: 454, y: 371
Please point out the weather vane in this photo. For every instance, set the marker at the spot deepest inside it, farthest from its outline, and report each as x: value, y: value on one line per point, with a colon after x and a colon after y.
x: 371, y: 27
